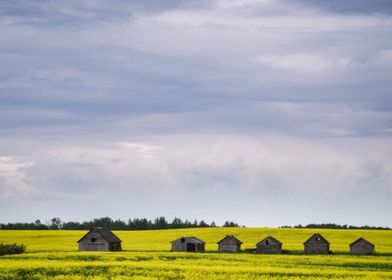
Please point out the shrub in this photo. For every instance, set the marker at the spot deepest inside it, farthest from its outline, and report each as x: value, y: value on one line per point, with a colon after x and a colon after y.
x: 9, y: 249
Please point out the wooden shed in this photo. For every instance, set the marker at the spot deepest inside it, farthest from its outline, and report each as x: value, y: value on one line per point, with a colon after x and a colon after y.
x: 229, y: 244
x: 269, y: 245
x: 361, y: 247
x: 316, y: 244
x: 99, y: 239
x: 188, y: 244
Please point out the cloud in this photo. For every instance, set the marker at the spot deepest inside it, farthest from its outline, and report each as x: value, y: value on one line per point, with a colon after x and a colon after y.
x: 145, y: 150
x: 382, y: 7
x: 71, y: 13
x: 303, y: 62
x: 164, y: 169
x: 13, y: 177
x: 156, y: 100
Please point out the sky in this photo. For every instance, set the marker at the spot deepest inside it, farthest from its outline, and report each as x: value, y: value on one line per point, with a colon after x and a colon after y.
x: 266, y: 113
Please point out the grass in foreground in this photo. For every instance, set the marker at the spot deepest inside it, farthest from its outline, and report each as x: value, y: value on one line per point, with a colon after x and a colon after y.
x: 53, y: 255
x: 160, y: 265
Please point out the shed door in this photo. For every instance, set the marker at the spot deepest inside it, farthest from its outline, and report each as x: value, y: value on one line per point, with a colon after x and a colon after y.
x: 191, y: 247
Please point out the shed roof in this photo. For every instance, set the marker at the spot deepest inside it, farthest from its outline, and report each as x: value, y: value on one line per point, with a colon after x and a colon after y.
x: 230, y: 236
x: 270, y: 238
x: 190, y: 239
x: 361, y: 239
x: 319, y: 236
x: 106, y: 234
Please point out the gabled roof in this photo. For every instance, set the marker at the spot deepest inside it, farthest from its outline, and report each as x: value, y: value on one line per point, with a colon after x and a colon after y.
x: 190, y: 239
x: 106, y: 234
x: 230, y: 236
x: 319, y: 236
x: 361, y: 239
x: 270, y: 238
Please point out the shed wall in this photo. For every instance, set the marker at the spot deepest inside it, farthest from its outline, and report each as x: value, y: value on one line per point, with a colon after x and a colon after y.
x: 93, y: 246
x: 178, y: 246
x: 269, y: 248
x: 316, y: 247
x: 94, y: 242
x: 229, y: 248
x: 362, y: 248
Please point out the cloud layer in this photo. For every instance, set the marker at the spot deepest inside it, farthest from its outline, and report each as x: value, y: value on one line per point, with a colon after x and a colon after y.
x: 239, y: 107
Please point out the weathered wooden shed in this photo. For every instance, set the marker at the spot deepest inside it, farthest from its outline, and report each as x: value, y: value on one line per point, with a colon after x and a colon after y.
x: 229, y: 244
x: 362, y: 247
x: 316, y: 244
x: 269, y: 245
x: 188, y: 244
x: 99, y: 239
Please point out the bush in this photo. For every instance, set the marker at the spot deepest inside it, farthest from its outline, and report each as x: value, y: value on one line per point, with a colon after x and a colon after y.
x: 9, y: 249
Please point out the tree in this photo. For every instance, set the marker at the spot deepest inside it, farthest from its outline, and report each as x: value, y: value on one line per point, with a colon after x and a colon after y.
x: 72, y: 225
x: 104, y: 222
x: 161, y: 223
x: 203, y: 224
x: 56, y: 223
x: 230, y: 224
x: 177, y: 223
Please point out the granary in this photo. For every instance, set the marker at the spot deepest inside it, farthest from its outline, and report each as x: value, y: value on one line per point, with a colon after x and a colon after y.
x: 188, y: 244
x: 269, y: 245
x: 361, y: 247
x: 316, y: 244
x: 99, y: 239
x: 229, y: 244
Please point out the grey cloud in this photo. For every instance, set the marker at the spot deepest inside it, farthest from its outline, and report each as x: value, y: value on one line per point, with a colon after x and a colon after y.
x: 77, y: 78
x: 83, y: 13
x: 382, y: 7
x: 306, y: 7
x: 63, y: 14
x: 282, y: 169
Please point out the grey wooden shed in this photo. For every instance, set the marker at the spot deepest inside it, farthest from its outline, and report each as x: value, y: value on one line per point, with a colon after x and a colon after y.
x: 99, y: 239
x: 269, y: 245
x: 362, y: 247
x: 188, y: 244
x: 229, y: 244
x: 316, y: 244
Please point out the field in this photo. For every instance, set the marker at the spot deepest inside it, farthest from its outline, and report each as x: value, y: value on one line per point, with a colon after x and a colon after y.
x: 53, y: 255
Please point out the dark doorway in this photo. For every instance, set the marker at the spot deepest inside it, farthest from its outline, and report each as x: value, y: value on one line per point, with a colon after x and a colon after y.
x: 112, y: 247
x: 191, y: 247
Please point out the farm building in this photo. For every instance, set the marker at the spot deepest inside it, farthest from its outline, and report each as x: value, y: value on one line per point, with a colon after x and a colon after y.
x: 188, y: 244
x: 361, y: 247
x: 99, y: 239
x: 269, y: 245
x: 316, y: 244
x: 229, y: 244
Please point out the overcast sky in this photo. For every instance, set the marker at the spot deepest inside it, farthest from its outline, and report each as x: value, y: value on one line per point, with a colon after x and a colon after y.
x: 263, y: 112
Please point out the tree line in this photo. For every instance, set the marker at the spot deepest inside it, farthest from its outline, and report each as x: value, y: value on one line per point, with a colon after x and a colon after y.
x: 106, y: 222
x: 158, y: 223
x: 336, y: 226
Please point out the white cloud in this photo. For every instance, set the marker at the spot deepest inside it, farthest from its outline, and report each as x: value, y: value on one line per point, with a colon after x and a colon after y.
x: 182, y: 98
x: 239, y: 3
x: 161, y: 171
x: 303, y: 62
x: 143, y: 149
x: 13, y: 177
x: 228, y: 161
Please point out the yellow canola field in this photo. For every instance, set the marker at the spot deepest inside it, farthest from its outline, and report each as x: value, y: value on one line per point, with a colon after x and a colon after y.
x: 53, y: 255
